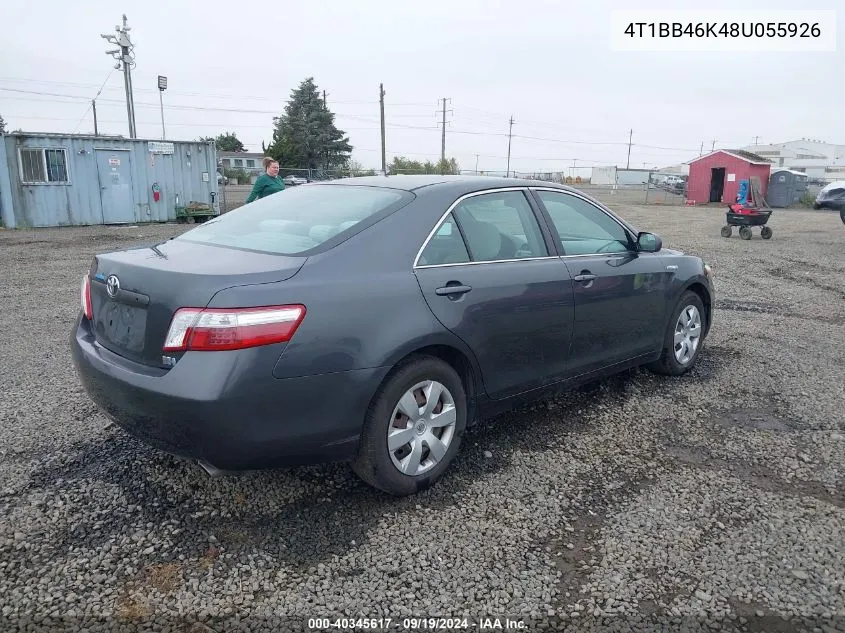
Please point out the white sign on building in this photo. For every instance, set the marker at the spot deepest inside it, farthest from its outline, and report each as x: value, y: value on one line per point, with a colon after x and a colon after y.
x: 160, y: 147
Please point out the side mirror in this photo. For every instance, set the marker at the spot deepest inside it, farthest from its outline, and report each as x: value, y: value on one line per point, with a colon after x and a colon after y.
x: 649, y: 243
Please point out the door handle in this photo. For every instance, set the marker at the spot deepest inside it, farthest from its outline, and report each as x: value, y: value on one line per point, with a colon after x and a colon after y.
x: 584, y: 277
x: 452, y: 290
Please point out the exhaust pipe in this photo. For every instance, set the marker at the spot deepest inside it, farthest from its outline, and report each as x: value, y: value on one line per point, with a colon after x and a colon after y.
x: 212, y: 471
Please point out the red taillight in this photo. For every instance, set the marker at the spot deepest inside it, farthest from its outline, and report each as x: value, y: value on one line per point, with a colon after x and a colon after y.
x: 87, y: 310
x: 216, y: 329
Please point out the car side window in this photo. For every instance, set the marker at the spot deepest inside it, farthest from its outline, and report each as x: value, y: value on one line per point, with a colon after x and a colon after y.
x: 500, y: 226
x: 446, y: 246
x: 583, y: 228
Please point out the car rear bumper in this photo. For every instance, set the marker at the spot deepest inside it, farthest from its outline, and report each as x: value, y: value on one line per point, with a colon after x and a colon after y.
x: 227, y: 416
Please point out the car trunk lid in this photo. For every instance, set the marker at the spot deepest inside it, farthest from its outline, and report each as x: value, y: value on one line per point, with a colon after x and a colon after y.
x: 135, y: 293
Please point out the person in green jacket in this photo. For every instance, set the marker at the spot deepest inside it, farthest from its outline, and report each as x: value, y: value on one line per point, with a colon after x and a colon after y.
x: 268, y: 183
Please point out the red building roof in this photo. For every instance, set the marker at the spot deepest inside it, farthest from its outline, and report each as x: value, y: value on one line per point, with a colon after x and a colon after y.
x: 750, y: 157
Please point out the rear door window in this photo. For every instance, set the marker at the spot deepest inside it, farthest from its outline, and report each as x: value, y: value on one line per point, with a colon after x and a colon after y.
x: 500, y: 226
x: 446, y: 246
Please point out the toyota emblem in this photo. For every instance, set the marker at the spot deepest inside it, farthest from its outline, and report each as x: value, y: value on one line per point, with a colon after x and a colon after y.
x: 112, y: 285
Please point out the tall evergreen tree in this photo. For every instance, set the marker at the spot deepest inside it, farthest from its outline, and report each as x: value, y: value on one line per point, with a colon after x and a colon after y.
x: 305, y: 136
x: 2, y: 125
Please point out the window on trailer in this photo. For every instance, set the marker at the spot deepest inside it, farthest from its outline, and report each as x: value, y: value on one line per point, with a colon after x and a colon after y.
x: 40, y: 166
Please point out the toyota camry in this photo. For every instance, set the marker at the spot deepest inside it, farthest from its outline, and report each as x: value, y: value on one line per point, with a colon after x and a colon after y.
x: 372, y: 320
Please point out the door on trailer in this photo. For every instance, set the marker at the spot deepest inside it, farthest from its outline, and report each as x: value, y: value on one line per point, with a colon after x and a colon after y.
x: 115, y: 176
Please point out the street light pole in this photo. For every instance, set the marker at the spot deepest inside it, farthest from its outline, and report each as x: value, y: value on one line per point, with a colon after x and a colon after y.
x: 162, y: 86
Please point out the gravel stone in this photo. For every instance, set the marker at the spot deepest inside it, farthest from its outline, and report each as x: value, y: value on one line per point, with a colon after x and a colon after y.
x: 640, y: 503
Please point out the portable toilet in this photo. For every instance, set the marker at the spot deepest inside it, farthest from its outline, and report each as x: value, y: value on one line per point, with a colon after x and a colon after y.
x: 785, y: 188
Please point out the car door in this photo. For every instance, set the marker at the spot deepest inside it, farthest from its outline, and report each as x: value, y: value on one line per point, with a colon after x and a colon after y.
x: 490, y: 275
x: 620, y: 292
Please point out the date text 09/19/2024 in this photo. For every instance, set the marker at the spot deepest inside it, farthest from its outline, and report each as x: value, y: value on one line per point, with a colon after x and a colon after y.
x: 415, y: 624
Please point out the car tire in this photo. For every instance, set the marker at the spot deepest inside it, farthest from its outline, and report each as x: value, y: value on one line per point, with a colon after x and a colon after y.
x: 669, y: 364
x: 374, y: 462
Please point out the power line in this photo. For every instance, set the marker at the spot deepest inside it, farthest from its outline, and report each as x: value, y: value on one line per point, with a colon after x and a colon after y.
x: 48, y: 94
x: 191, y: 94
x: 370, y: 119
x: 93, y: 105
x: 486, y: 113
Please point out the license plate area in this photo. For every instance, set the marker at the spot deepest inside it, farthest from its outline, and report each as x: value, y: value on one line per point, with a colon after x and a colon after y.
x: 123, y: 325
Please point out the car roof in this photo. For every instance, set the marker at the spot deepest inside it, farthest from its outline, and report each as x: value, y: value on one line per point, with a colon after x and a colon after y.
x: 464, y: 183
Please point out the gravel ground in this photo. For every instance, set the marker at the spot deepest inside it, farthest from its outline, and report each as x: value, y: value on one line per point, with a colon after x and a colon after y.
x: 709, y: 502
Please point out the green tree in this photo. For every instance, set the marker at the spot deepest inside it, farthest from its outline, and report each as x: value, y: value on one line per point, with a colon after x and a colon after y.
x: 228, y: 142
x: 402, y: 165
x: 449, y: 166
x: 305, y: 136
x: 355, y: 168
x: 2, y: 125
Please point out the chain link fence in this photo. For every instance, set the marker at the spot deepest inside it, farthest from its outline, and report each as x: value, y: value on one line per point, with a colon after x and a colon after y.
x: 234, y: 193
x: 655, y: 192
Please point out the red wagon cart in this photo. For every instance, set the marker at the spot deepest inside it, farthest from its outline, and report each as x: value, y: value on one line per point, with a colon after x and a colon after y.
x: 749, y: 210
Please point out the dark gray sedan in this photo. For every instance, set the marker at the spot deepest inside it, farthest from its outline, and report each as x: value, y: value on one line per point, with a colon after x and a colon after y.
x: 373, y: 320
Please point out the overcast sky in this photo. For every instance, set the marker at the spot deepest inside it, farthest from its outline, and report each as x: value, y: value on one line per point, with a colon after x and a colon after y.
x: 549, y: 64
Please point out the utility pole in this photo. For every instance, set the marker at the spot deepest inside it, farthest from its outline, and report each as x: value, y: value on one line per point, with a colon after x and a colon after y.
x: 126, y: 61
x: 510, y: 132
x: 94, y: 107
x: 630, y: 136
x: 713, y: 147
x: 476, y: 163
x: 701, y: 149
x: 756, y: 138
x: 443, y: 140
x: 383, y: 154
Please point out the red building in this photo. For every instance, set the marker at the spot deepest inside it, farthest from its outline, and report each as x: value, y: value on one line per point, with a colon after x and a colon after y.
x: 715, y: 177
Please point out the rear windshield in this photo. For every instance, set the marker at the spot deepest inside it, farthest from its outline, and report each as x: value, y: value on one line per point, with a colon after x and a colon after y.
x: 298, y: 219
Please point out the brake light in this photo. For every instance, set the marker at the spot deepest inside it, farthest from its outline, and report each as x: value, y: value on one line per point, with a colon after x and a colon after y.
x: 85, y: 297
x: 217, y: 329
